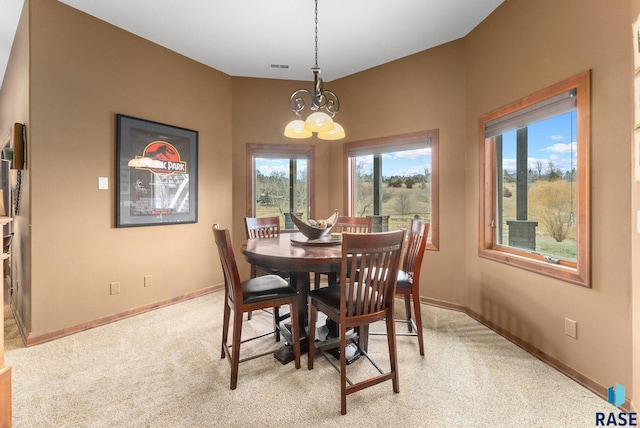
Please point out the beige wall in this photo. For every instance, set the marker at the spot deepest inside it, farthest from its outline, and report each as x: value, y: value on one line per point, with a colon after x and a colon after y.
x: 83, y: 72
x: 522, y: 47
x: 78, y: 84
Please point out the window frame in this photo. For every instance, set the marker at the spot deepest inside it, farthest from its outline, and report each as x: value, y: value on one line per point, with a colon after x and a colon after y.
x: 399, y: 141
x: 279, y: 151
x: 577, y: 272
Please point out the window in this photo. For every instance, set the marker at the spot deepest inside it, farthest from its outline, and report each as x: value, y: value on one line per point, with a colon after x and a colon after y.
x: 395, y: 179
x: 279, y: 181
x: 535, y: 182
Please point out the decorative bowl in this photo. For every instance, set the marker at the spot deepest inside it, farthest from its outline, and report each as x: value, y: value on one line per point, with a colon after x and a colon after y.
x: 311, y: 232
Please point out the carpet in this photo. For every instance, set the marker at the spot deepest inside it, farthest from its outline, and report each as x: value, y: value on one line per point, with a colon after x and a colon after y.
x: 163, y: 369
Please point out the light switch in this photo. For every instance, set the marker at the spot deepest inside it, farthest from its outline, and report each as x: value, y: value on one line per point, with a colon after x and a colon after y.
x: 103, y: 183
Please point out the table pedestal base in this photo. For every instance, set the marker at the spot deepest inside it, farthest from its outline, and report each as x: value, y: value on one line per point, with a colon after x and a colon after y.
x: 285, y: 354
x: 352, y: 353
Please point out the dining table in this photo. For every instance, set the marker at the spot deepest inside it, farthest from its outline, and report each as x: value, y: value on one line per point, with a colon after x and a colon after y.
x: 299, y: 256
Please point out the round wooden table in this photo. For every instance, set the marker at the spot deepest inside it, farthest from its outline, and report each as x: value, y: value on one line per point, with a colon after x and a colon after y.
x: 290, y: 252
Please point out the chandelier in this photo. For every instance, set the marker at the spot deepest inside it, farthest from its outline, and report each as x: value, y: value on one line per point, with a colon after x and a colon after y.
x: 321, y: 99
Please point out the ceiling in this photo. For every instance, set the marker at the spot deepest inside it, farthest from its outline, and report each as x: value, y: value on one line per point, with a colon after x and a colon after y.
x: 247, y: 37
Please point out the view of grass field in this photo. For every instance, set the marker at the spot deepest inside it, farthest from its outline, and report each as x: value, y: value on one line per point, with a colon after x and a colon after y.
x: 264, y: 210
x: 540, y: 198
x: 400, y: 204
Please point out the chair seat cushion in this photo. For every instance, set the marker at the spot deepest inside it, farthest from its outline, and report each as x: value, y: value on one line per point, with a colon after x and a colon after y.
x: 405, y: 280
x: 266, y: 287
x: 330, y: 295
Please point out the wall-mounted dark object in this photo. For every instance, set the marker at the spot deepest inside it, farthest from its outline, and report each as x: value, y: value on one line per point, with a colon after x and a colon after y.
x: 18, y: 143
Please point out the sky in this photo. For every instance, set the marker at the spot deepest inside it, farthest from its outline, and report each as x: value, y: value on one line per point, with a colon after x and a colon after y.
x: 268, y: 166
x: 405, y: 163
x: 549, y: 140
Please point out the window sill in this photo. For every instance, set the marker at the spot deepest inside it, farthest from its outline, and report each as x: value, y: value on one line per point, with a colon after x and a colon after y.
x: 561, y: 272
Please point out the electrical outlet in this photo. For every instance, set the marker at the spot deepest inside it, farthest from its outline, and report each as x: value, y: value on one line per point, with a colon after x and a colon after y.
x: 115, y: 288
x: 571, y: 328
x: 148, y: 280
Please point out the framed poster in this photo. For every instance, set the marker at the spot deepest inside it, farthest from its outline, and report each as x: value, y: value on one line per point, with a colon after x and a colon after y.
x: 157, y: 173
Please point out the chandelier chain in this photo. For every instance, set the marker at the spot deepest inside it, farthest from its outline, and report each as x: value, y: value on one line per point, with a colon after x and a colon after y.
x: 321, y: 99
x: 316, y: 33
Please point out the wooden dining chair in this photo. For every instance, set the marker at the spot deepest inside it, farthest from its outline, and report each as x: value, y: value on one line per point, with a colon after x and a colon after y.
x: 408, y: 284
x: 261, y: 227
x: 365, y: 294
x: 266, y: 227
x: 345, y: 224
x: 266, y: 291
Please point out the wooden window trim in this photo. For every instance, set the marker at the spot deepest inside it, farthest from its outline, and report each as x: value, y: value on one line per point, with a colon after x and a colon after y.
x: 574, y: 272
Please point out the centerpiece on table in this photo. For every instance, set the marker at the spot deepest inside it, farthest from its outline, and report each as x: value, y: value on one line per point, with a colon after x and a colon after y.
x: 315, y: 229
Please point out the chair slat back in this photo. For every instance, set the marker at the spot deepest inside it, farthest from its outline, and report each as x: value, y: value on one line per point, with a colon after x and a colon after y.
x: 370, y: 260
x: 262, y: 227
x: 232, y: 283
x: 416, y: 243
x: 353, y: 224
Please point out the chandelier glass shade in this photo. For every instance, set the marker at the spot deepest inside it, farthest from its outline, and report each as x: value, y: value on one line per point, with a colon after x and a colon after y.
x: 296, y: 129
x: 337, y: 133
x: 319, y: 121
